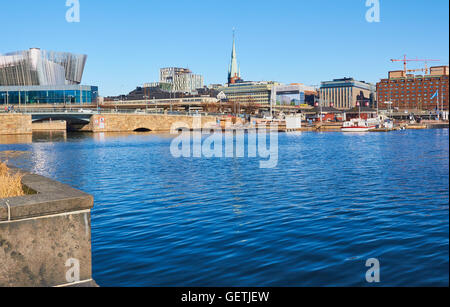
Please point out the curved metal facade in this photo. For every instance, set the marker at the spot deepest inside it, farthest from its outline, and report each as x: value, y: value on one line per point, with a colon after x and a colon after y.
x: 40, y: 67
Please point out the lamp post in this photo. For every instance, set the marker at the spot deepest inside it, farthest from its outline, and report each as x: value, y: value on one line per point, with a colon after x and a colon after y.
x: 270, y: 107
x: 81, y: 95
x: 389, y: 107
x: 437, y: 105
x: 358, y: 104
x: 321, y: 120
x: 146, y: 103
x: 377, y: 106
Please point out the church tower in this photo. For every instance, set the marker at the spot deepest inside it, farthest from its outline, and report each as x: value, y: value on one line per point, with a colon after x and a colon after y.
x: 234, y: 72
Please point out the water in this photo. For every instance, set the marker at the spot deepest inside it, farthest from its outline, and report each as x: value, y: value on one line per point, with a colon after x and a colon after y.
x: 334, y: 201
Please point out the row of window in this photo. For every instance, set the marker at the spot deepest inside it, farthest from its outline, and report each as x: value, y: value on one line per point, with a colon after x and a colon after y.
x: 407, y: 86
x: 412, y: 95
x: 443, y: 78
x: 381, y: 98
x: 433, y: 90
x: 415, y: 102
x: 31, y: 97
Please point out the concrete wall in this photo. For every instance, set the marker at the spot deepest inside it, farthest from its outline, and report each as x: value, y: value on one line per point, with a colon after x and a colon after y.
x: 45, y: 238
x: 153, y: 122
x: 15, y: 124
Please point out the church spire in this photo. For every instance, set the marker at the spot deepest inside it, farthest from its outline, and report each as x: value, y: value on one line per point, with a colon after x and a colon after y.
x: 234, y: 73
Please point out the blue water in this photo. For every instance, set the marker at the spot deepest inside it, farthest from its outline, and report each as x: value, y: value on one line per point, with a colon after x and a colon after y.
x: 334, y: 201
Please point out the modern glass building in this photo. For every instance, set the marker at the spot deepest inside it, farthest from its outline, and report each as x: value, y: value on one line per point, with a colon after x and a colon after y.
x: 66, y: 94
x: 38, y: 76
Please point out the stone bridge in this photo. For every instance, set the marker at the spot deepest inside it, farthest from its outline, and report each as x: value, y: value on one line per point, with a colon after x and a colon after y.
x: 107, y: 122
x: 145, y: 122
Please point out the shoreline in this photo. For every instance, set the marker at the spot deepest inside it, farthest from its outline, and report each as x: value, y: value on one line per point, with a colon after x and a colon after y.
x: 246, y: 130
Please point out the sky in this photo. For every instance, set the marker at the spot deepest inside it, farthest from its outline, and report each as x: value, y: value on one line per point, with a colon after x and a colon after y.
x: 290, y: 41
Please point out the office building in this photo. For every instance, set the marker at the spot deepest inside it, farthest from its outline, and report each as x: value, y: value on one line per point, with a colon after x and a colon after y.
x: 249, y: 92
x: 294, y: 94
x: 345, y: 93
x: 264, y: 92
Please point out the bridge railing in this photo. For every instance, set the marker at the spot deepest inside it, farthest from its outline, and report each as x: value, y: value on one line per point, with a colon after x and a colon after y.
x: 60, y: 111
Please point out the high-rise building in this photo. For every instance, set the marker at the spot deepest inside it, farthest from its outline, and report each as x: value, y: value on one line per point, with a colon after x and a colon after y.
x: 234, y: 71
x: 345, y: 93
x: 408, y: 91
x: 39, y: 76
x: 180, y: 79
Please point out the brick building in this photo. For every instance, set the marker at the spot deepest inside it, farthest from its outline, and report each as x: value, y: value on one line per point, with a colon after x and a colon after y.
x: 407, y: 91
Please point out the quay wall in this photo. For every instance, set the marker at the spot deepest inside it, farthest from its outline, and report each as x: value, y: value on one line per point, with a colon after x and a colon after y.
x: 12, y: 123
x: 151, y: 122
x: 45, y: 236
x: 56, y: 125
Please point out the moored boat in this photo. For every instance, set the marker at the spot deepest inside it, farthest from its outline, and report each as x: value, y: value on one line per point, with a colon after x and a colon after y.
x: 357, y: 125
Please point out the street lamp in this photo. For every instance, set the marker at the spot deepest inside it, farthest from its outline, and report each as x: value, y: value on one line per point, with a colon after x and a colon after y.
x: 319, y: 104
x: 146, y: 103
x: 358, y: 104
x: 389, y: 107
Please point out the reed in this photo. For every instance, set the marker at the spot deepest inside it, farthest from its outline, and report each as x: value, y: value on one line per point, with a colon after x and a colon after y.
x: 10, y: 183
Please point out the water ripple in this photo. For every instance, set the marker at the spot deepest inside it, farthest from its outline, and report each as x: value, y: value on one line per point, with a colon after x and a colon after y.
x: 334, y: 201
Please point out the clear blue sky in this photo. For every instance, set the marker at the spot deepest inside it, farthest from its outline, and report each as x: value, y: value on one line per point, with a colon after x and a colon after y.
x: 286, y: 40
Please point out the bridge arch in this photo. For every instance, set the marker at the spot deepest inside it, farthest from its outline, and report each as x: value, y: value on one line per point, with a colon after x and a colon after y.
x: 74, y: 121
x: 142, y: 129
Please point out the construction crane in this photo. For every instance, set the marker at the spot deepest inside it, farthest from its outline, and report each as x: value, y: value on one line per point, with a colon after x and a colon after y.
x: 405, y: 62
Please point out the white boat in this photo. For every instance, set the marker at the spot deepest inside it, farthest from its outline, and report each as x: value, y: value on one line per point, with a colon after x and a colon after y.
x: 358, y: 125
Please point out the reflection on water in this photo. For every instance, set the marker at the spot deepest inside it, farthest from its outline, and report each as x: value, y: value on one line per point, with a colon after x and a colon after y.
x: 37, y: 136
x: 334, y: 201
x: 49, y: 136
x: 6, y: 155
x: 16, y: 139
x: 61, y: 136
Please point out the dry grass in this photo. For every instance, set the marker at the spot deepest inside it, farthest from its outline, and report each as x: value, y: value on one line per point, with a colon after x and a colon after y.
x: 10, y: 184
